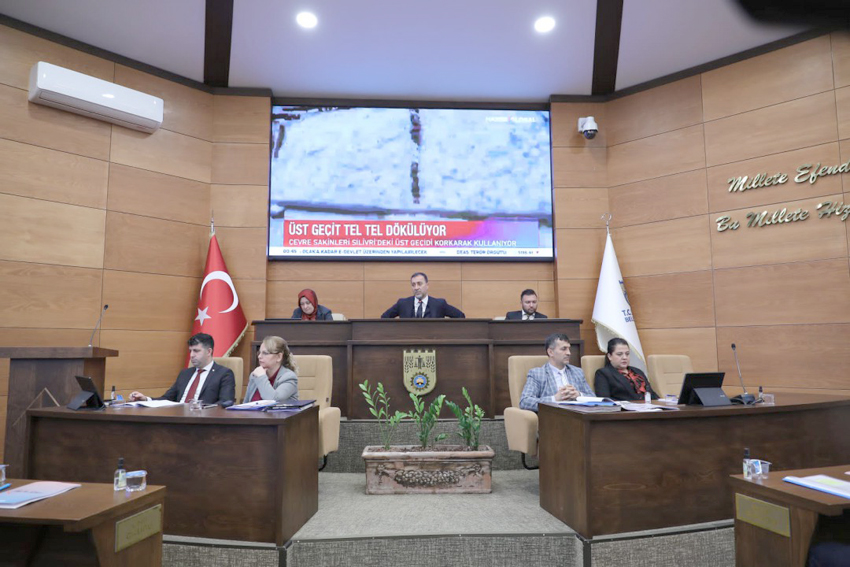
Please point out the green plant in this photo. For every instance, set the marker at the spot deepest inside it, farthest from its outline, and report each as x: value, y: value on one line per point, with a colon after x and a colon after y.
x: 427, y: 419
x: 468, y: 421
x: 379, y: 406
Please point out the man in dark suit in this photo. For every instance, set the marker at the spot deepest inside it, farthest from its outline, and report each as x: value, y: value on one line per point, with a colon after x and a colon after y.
x: 528, y: 301
x: 421, y: 305
x: 204, y: 380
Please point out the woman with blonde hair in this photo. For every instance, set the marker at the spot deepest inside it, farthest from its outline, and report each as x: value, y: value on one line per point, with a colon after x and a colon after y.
x: 275, y: 378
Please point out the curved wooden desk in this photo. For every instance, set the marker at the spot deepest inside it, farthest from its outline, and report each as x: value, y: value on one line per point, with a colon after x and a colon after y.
x: 608, y: 473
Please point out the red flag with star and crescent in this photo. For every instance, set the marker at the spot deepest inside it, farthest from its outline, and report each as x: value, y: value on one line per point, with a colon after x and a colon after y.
x: 219, y: 311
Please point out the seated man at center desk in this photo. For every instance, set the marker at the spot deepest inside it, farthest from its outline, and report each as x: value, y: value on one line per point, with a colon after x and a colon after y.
x: 555, y: 381
x: 421, y: 305
x: 204, y: 379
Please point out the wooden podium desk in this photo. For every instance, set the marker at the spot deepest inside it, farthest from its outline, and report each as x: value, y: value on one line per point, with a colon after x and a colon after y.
x: 608, y: 473
x: 775, y: 520
x: 471, y: 353
x: 79, y: 528
x: 238, y: 475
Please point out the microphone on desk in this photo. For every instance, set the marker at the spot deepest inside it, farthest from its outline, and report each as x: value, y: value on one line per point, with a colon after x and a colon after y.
x: 745, y: 398
x: 99, y: 319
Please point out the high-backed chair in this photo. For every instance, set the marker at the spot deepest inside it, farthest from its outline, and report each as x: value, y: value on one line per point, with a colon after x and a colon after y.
x: 338, y: 317
x: 315, y: 382
x: 236, y: 364
x: 520, y: 424
x: 667, y: 372
x: 590, y: 363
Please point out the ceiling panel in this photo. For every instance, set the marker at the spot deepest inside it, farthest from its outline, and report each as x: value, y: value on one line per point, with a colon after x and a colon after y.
x: 661, y: 37
x: 437, y: 50
x: 168, y: 34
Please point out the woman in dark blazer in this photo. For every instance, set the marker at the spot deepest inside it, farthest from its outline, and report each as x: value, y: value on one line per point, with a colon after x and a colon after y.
x: 619, y: 381
x: 309, y: 309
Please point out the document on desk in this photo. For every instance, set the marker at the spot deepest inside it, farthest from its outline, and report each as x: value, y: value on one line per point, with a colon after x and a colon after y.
x: 33, y: 492
x: 823, y: 483
x: 157, y: 404
x: 588, y: 401
x: 259, y: 405
x: 630, y: 406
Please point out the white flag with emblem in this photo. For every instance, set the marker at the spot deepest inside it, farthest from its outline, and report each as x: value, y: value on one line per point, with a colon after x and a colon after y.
x: 612, y: 314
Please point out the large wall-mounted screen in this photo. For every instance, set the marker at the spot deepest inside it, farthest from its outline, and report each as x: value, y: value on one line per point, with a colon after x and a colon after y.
x: 396, y: 183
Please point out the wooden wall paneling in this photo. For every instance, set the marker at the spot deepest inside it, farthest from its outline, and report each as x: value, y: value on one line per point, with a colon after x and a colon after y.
x: 23, y: 121
x: 506, y: 271
x: 663, y: 198
x: 786, y: 74
x: 149, y: 361
x: 575, y: 300
x: 721, y: 199
x: 346, y: 297
x: 665, y: 108
x: 782, y: 294
x: 381, y: 295
x: 844, y: 152
x: 152, y: 194
x: 240, y: 164
x: 401, y: 271
x: 41, y: 173
x: 51, y: 233
x: 579, y: 167
x: 240, y: 205
x: 679, y: 245
x: 21, y: 51
x: 588, y: 335
x: 698, y: 343
x: 676, y: 151
x: 3, y: 404
x: 672, y: 300
x: 244, y: 251
x: 286, y: 270
x: 185, y: 110
x: 840, y: 42
x: 252, y: 298
x: 810, y: 239
x: 564, y: 124
x: 787, y: 126
x: 52, y: 336
x: 38, y: 295
x: 490, y: 299
x: 787, y: 356
x: 149, y: 302
x: 579, y: 252
x: 142, y: 244
x: 842, y: 104
x: 580, y: 208
x: 164, y: 152
x: 242, y: 119
x: 545, y: 291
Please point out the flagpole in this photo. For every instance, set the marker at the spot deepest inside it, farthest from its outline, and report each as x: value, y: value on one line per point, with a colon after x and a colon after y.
x: 212, y: 224
x: 607, y: 221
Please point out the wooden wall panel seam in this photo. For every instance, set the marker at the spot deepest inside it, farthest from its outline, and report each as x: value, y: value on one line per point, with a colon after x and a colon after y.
x: 769, y: 106
x: 643, y: 180
x: 749, y: 158
x: 655, y: 135
x: 56, y: 149
x: 809, y: 261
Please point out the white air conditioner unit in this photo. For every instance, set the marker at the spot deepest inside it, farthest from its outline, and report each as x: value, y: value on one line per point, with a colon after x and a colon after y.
x: 72, y: 91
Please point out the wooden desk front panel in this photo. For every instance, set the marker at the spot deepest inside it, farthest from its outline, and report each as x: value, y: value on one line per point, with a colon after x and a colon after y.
x: 225, y: 479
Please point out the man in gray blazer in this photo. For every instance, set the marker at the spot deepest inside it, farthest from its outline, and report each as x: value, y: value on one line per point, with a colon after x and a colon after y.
x: 557, y: 379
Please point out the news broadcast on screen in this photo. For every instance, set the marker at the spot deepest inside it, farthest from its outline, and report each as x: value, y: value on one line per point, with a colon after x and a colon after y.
x: 425, y: 183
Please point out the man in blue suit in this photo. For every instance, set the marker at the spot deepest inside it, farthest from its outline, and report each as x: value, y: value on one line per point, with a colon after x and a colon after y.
x: 556, y: 380
x: 421, y: 305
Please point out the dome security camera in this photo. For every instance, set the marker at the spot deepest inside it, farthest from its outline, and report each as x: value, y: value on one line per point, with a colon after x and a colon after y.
x: 588, y: 128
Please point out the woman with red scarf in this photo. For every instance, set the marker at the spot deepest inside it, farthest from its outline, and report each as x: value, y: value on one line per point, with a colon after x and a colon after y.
x: 309, y: 309
x: 619, y: 381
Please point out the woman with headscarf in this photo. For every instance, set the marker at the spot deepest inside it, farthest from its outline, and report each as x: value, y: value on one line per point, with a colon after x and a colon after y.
x: 309, y: 309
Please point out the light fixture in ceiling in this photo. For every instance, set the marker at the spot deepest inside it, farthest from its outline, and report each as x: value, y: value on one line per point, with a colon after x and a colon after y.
x: 307, y: 20
x: 544, y: 24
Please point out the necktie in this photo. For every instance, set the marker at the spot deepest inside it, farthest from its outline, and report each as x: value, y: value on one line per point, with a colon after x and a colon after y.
x: 419, y: 313
x: 190, y: 395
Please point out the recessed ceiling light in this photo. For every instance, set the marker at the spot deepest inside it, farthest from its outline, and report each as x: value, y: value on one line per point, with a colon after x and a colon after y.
x: 544, y: 24
x: 309, y: 20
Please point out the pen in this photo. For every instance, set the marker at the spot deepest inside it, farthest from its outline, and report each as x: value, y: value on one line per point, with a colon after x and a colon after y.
x: 5, y: 486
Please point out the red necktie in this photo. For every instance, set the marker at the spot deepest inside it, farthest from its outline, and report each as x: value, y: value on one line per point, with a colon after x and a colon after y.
x: 190, y: 395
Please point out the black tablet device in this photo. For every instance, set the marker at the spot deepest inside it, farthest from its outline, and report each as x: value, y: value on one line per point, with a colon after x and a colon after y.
x: 89, y: 398
x: 703, y: 389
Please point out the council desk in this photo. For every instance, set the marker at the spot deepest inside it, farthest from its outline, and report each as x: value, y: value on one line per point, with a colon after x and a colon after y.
x: 608, y: 473
x: 238, y: 475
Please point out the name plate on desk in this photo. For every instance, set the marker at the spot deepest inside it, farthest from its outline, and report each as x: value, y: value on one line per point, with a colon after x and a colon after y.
x: 765, y: 515
x: 133, y: 529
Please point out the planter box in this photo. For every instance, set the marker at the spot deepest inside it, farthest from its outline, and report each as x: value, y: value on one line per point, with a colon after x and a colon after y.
x: 447, y: 469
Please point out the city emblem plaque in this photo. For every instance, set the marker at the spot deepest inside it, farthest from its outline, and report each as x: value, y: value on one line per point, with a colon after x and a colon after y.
x: 420, y: 371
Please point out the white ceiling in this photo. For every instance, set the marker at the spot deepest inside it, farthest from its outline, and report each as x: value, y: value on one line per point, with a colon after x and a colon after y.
x: 460, y: 50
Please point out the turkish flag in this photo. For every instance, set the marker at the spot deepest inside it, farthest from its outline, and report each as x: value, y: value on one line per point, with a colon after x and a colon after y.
x: 219, y: 311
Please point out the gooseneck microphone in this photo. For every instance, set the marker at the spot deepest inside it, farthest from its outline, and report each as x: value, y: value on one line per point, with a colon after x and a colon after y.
x: 99, y: 319
x: 745, y: 398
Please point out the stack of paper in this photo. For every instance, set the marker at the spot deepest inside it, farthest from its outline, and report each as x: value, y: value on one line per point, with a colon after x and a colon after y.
x: 823, y: 483
x: 259, y: 405
x: 33, y: 492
